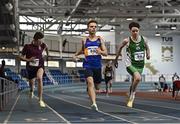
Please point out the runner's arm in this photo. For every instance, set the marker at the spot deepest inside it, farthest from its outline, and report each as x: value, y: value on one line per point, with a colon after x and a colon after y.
x: 103, y: 50
x: 147, y: 50
x: 81, y: 50
x: 125, y: 41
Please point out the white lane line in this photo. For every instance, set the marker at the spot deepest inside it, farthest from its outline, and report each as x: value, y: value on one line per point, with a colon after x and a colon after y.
x: 90, y: 108
x: 145, y: 103
x: 168, y: 107
x: 129, y: 108
x: 141, y: 102
x: 10, y: 113
x: 56, y: 113
x: 143, y: 110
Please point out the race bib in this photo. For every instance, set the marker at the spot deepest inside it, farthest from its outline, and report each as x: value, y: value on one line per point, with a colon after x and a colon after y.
x: 34, y: 63
x: 176, y: 78
x: 91, y: 51
x: 139, y: 56
x: 108, y: 74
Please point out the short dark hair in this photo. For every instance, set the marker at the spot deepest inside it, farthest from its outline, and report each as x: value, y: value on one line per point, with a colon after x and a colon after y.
x: 38, y: 35
x: 91, y: 21
x: 134, y: 24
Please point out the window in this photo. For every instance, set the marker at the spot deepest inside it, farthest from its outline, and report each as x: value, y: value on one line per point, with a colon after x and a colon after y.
x: 79, y: 64
x: 51, y: 64
x: 9, y: 61
x: 70, y: 64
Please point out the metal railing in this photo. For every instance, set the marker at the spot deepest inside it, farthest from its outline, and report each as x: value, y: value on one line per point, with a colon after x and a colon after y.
x: 8, y: 90
x: 145, y: 77
x: 67, y: 79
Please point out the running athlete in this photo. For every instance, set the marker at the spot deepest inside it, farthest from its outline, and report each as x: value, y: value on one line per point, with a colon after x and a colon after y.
x: 33, y: 55
x: 136, y: 48
x: 92, y: 47
x: 108, y: 75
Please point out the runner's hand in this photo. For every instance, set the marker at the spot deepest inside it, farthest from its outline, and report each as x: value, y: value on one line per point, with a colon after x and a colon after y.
x: 75, y: 58
x: 32, y: 59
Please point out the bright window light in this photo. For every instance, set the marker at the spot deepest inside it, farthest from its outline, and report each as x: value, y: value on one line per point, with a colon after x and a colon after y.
x: 157, y: 34
x: 79, y: 64
x: 10, y: 62
x: 23, y: 63
x: 51, y: 64
x: 70, y: 64
x: 129, y: 19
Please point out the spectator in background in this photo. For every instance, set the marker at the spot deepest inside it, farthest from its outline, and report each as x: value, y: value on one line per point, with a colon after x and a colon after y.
x: 162, y: 81
x: 64, y: 44
x: 127, y: 78
x: 108, y: 76
x: 2, y: 72
x: 175, y: 77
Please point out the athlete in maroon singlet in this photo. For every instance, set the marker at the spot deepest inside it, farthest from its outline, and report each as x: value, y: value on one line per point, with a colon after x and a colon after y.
x: 33, y: 55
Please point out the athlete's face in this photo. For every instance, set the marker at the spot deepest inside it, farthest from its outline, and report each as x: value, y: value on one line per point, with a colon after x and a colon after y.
x: 134, y: 32
x: 38, y: 42
x: 92, y: 28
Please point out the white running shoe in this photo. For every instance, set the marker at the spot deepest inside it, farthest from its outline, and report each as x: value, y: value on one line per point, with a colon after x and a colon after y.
x: 94, y: 107
x: 132, y: 96
x: 31, y: 94
x: 131, y: 100
x: 42, y: 104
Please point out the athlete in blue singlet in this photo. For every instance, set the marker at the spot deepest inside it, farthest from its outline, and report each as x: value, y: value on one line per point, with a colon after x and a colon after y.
x: 92, y: 47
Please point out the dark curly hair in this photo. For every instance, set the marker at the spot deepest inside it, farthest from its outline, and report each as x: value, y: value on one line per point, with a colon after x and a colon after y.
x: 38, y: 35
x: 134, y: 24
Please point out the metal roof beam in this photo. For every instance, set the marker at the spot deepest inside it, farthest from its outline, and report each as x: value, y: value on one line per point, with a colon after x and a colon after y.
x: 74, y: 9
x: 106, y: 15
x: 45, y: 7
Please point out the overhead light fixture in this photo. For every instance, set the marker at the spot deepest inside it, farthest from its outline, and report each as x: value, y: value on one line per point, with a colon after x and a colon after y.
x: 156, y: 26
x: 54, y: 3
x: 129, y: 19
x: 149, y: 5
x: 3, y: 48
x: 157, y: 34
x: 173, y: 27
x: 112, y: 29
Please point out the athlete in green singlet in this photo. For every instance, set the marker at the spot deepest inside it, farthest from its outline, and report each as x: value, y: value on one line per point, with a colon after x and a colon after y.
x: 136, y: 50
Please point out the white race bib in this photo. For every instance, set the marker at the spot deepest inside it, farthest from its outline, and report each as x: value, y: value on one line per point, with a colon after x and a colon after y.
x: 161, y: 80
x: 34, y: 63
x: 108, y: 74
x: 91, y: 51
x: 138, y: 56
x: 176, y: 78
